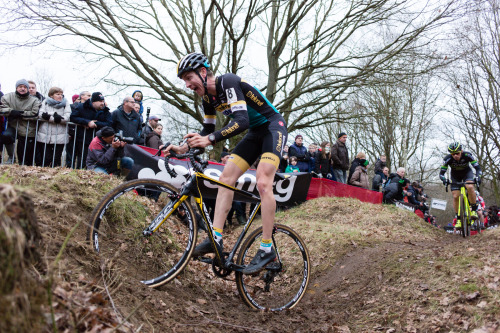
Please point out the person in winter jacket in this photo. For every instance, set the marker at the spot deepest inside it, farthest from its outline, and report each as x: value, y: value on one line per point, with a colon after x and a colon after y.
x: 340, y: 158
x: 380, y: 180
x: 292, y: 167
x: 138, y: 97
x: 312, y: 151
x: 396, y: 187
x: 298, y: 150
x: 324, y: 161
x: 33, y: 92
x: 380, y: 165
x: 106, y: 154
x: 125, y: 119
x: 52, y: 136
x: 92, y: 115
x: 153, y: 139
x: 283, y: 160
x: 22, y: 111
x: 360, y: 175
x: 359, y: 160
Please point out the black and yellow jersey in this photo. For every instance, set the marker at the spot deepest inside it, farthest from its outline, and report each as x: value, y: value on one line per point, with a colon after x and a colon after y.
x: 460, y: 166
x: 239, y: 100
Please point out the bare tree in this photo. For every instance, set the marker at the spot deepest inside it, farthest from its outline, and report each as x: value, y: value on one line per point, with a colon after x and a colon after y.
x: 305, y: 55
x: 398, y: 119
x: 476, y: 89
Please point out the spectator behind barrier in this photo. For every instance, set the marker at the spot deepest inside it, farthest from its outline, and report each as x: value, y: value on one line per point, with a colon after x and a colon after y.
x: 93, y: 115
x: 380, y: 165
x: 148, y: 128
x: 359, y: 177
x: 138, y: 97
x: 22, y: 110
x: 292, y: 167
x: 52, y: 136
x: 126, y: 120
x: 154, y: 138
x: 396, y: 190
x: 283, y: 160
x: 298, y: 150
x: 33, y: 92
x: 312, y: 151
x: 359, y: 160
x: 340, y: 158
x: 106, y: 154
x: 323, y: 161
x: 379, y: 181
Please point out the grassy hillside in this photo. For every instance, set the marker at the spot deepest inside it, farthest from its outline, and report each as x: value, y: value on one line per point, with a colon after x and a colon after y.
x: 374, y: 268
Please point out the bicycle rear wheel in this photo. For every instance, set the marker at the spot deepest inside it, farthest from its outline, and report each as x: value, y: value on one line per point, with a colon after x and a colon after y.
x: 282, y: 284
x: 116, y: 232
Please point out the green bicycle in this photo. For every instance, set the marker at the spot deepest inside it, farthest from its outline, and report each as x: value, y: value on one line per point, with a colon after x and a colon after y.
x: 147, y: 228
x: 464, y: 210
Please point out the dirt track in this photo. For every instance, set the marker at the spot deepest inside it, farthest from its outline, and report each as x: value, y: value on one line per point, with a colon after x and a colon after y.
x: 377, y: 278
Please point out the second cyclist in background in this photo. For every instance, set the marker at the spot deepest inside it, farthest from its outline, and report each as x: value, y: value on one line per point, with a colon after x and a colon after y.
x: 459, y: 162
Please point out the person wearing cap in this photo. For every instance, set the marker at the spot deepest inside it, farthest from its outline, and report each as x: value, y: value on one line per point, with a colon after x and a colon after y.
x: 91, y: 116
x: 22, y: 110
x: 298, y: 150
x: 106, y: 154
x: 340, y: 158
x: 125, y: 119
x: 152, y: 122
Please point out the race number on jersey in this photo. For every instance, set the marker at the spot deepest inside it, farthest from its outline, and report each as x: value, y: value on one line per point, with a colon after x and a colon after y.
x: 231, y: 96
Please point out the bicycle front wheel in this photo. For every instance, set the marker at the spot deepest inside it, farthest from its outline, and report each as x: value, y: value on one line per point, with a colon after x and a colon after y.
x: 465, y: 229
x: 117, y: 225
x: 282, y: 284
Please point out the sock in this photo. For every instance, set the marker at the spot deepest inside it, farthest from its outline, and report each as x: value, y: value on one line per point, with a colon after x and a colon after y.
x: 473, y: 207
x: 217, y: 234
x: 265, y: 245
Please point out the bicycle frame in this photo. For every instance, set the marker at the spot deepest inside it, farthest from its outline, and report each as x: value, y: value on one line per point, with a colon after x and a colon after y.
x: 191, y: 189
x: 466, y: 206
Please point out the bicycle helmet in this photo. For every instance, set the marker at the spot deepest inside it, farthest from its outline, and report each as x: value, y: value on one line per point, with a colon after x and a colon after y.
x: 455, y: 147
x: 192, y: 62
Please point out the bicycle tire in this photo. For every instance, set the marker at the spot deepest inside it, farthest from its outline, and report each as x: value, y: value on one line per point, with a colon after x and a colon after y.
x: 288, y: 286
x: 117, y: 223
x: 463, y: 220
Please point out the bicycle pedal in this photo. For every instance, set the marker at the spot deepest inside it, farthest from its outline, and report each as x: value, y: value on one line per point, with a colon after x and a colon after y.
x: 206, y: 260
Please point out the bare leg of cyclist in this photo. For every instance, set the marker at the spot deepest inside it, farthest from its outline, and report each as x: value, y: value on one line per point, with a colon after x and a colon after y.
x: 456, y: 198
x: 471, y: 191
x: 229, y: 176
x: 265, y: 179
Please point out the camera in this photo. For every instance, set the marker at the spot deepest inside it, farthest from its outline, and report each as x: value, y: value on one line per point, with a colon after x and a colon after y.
x: 119, y: 137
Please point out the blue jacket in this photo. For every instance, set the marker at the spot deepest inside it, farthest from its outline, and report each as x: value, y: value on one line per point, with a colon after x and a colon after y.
x: 302, y: 156
x: 85, y: 112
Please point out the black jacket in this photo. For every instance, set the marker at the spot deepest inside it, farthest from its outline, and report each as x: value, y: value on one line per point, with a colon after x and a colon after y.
x: 323, y: 164
x: 340, y: 156
x: 83, y: 113
x: 130, y: 123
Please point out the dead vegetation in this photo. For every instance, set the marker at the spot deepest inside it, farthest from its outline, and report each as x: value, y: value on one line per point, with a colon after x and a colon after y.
x: 374, y: 268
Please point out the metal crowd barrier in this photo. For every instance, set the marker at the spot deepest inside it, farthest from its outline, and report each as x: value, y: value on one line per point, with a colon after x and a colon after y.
x: 10, y: 152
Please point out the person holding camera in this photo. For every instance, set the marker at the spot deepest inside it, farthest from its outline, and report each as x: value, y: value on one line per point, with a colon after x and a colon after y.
x: 105, y: 154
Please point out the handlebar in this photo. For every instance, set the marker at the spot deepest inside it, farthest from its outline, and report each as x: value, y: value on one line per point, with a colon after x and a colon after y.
x: 193, y: 154
x: 448, y: 182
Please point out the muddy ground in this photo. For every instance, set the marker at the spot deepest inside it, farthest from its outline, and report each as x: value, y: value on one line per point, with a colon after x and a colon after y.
x: 374, y: 269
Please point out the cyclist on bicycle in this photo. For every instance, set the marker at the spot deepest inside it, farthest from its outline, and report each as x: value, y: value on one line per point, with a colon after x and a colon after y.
x: 460, y: 161
x: 267, y: 134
